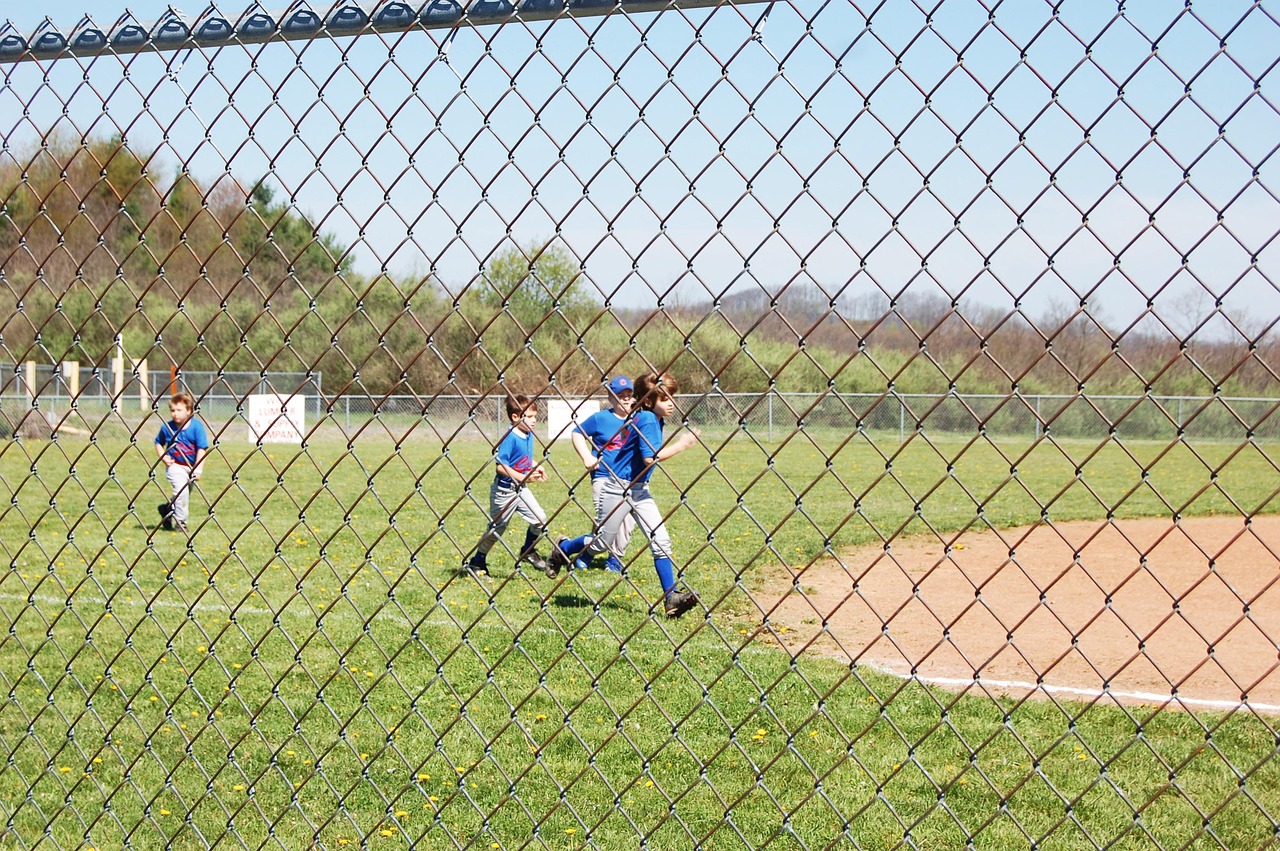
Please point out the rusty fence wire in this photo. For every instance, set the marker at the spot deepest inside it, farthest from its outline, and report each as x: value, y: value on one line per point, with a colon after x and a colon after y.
x: 973, y: 311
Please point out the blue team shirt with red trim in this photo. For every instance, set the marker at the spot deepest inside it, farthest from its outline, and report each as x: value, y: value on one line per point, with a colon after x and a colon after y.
x: 646, y: 440
x: 183, y: 442
x: 608, y: 434
x: 516, y: 451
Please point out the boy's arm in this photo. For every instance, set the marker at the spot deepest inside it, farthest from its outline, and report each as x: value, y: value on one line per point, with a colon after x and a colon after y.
x: 515, y: 475
x: 202, y: 449
x: 583, y: 445
x: 689, y: 438
x: 162, y: 449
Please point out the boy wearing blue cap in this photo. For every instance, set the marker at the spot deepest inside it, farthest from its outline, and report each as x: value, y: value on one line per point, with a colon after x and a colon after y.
x: 599, y: 440
x: 510, y: 495
x: 645, y: 448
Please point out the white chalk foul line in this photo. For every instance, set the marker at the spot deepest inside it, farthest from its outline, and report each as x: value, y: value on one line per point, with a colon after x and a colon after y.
x: 1077, y: 691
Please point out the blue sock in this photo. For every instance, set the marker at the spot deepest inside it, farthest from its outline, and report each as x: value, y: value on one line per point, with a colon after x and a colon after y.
x: 531, y: 539
x: 613, y: 564
x: 573, y: 546
x: 666, y: 574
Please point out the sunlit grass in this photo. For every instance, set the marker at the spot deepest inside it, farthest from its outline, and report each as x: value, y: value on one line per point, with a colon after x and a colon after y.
x: 310, y: 671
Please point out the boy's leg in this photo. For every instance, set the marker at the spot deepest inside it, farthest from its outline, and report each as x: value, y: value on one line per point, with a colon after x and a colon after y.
x: 180, y: 479
x: 528, y: 507
x: 616, y: 546
x: 616, y: 521
x: 675, y: 602
x: 501, y: 508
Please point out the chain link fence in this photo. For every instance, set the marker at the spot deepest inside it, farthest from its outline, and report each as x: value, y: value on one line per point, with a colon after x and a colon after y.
x: 973, y: 309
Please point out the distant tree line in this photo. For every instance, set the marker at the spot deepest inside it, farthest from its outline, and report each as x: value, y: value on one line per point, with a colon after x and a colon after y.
x: 97, y: 240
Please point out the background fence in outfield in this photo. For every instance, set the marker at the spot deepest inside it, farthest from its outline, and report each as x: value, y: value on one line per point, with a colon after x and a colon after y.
x: 976, y: 307
x: 769, y: 416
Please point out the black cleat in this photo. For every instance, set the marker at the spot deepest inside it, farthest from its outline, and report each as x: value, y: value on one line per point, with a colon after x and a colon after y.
x: 166, y: 516
x: 473, y: 570
x: 679, y: 602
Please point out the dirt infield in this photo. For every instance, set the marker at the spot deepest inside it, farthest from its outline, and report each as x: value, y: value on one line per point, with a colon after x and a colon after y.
x: 1142, y: 609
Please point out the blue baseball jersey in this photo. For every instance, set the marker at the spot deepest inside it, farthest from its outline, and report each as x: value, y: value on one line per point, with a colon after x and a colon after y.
x: 183, y: 442
x: 608, y: 434
x: 516, y: 451
x: 646, y: 440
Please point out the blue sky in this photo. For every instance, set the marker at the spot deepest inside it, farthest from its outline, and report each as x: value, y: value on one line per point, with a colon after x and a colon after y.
x: 823, y: 152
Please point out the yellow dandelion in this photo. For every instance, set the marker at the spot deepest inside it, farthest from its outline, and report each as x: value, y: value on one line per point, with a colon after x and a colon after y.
x: 239, y: 787
x: 66, y: 769
x: 401, y: 814
x: 164, y: 812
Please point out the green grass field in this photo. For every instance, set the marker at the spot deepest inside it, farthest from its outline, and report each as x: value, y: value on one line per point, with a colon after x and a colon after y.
x: 310, y: 672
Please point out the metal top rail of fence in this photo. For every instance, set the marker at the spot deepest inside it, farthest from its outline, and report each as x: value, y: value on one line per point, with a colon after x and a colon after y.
x: 877, y: 619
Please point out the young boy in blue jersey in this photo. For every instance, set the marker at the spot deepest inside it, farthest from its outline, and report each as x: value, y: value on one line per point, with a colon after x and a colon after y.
x: 643, y: 451
x: 510, y: 494
x: 181, y: 445
x: 600, y: 440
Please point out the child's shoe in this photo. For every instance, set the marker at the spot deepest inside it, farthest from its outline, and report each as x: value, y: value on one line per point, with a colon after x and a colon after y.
x: 474, y: 569
x: 557, y: 560
x: 679, y: 602
x: 539, y: 563
x: 166, y: 516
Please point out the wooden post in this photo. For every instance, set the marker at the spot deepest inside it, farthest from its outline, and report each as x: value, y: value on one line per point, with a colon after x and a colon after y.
x: 144, y: 394
x: 29, y: 381
x: 117, y: 374
x: 71, y: 372
x: 173, y: 379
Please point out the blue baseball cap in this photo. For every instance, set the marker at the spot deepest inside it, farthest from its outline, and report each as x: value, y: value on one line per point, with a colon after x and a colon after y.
x: 620, y: 383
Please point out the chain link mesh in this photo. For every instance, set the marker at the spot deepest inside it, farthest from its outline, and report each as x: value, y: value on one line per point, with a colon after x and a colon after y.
x: 973, y: 308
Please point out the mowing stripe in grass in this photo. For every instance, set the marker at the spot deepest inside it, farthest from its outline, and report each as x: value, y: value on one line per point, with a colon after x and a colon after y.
x: 949, y: 683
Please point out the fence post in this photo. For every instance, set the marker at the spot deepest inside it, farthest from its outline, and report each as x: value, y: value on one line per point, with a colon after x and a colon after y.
x: 902, y: 418
x: 29, y: 382
x: 117, y: 370
x: 771, y: 415
x: 144, y: 394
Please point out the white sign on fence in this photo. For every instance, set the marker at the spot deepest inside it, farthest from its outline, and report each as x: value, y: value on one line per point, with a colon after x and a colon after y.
x: 277, y: 419
x: 561, y: 416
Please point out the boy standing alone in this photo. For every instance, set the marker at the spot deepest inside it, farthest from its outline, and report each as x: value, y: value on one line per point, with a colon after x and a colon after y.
x: 181, y: 445
x: 510, y: 493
